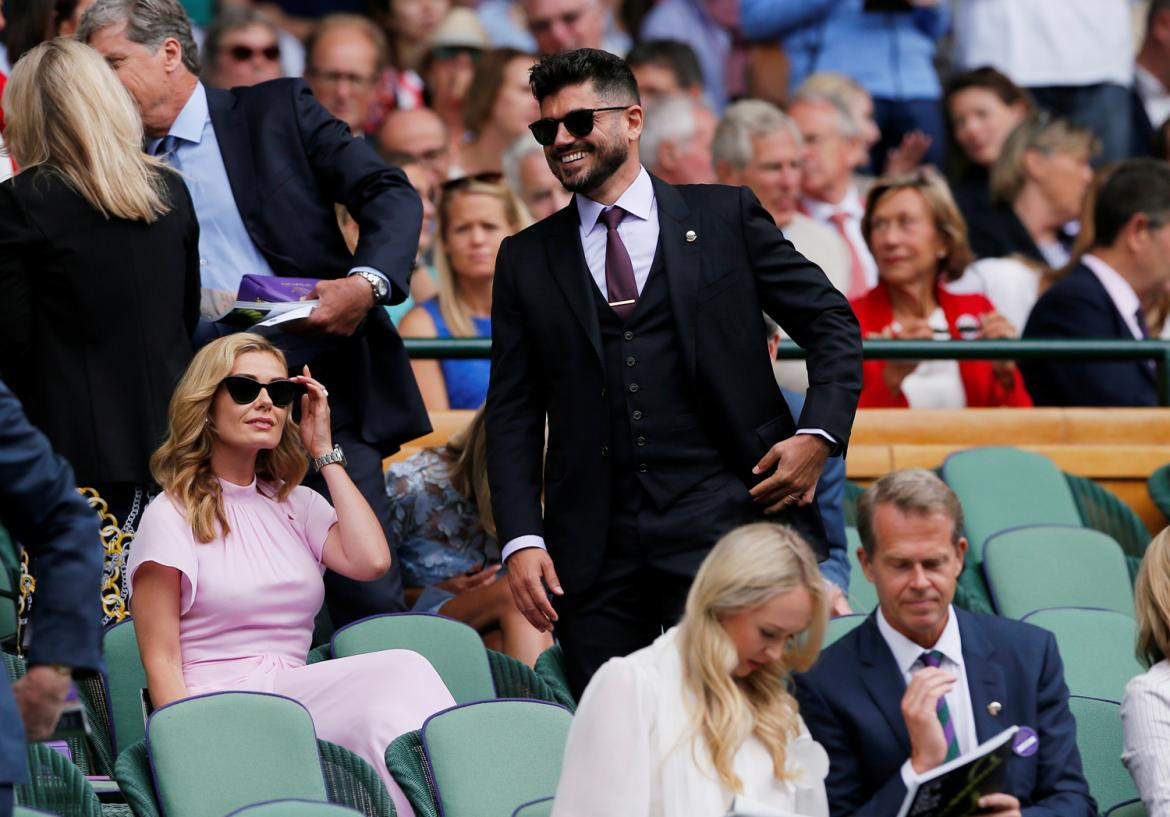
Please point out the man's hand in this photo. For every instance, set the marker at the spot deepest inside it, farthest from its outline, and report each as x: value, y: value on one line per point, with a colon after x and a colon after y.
x: 799, y: 461
x: 999, y: 804
x: 528, y: 571
x: 342, y: 305
x: 838, y: 601
x: 40, y: 695
x: 471, y: 580
x: 928, y: 744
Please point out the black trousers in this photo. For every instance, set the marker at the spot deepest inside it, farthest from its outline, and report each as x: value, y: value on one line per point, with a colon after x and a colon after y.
x: 651, y: 556
x: 6, y: 798
x: 350, y: 600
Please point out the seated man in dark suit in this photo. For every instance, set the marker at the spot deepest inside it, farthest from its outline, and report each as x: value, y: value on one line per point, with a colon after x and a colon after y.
x: 919, y: 682
x: 1127, y: 266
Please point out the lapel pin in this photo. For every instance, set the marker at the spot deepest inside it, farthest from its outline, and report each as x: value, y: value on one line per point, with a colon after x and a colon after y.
x: 994, y: 708
x: 692, y: 236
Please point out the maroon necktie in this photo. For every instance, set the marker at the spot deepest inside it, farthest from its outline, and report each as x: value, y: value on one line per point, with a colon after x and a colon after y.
x: 619, y: 272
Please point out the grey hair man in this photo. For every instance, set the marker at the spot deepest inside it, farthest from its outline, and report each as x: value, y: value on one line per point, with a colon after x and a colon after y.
x: 676, y: 139
x: 527, y: 173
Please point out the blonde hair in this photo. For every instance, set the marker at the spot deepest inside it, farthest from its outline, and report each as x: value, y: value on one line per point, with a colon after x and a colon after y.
x: 182, y: 464
x: 1042, y: 133
x: 67, y: 111
x: 947, y: 218
x: 1151, y: 595
x: 746, y: 568
x: 468, y: 471
x: 456, y: 314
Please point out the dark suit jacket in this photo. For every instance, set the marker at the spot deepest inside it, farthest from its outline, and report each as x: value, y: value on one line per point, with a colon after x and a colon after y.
x: 995, y: 231
x: 95, y: 320
x: 40, y: 506
x: 288, y: 161
x: 546, y: 357
x: 851, y: 701
x: 1078, y: 306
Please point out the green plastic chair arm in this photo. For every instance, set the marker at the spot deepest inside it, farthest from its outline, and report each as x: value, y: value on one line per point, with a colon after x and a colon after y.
x: 56, y: 785
x: 408, y: 766
x: 132, y: 771
x: 351, y: 781
x: 515, y: 679
x: 551, y: 667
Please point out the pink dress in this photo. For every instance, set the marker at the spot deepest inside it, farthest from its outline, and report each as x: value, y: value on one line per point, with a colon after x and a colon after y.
x: 246, y: 611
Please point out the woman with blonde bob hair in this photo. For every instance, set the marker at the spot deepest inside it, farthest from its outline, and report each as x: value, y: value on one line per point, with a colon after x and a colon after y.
x: 1145, y: 708
x: 704, y: 714
x: 99, y: 266
x: 226, y: 573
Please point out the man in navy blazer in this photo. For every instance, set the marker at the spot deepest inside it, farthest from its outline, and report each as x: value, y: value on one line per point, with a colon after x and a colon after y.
x: 40, y: 506
x: 920, y: 682
x: 1105, y: 295
x: 266, y: 166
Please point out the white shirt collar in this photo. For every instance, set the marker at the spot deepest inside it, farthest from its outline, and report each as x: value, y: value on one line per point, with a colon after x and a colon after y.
x: 188, y: 125
x: 906, y: 652
x: 850, y: 204
x: 1119, y: 289
x: 1148, y: 85
x: 637, y: 200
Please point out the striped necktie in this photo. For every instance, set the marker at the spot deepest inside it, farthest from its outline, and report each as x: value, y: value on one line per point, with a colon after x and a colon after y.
x: 934, y: 659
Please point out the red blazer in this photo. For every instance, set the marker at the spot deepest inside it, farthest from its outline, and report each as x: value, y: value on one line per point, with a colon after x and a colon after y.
x: 983, y: 388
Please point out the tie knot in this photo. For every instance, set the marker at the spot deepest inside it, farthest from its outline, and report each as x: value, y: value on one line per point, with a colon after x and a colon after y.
x: 932, y: 659
x: 166, y: 145
x: 612, y: 217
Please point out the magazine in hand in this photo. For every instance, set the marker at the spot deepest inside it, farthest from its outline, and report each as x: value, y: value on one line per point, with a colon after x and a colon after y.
x: 953, y: 789
x: 743, y: 807
x: 269, y: 300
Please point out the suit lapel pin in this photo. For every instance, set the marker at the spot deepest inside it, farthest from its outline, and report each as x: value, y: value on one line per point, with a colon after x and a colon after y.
x: 692, y: 236
x: 994, y: 708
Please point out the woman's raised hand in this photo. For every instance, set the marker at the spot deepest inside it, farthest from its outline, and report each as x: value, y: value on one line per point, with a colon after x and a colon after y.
x: 315, y: 430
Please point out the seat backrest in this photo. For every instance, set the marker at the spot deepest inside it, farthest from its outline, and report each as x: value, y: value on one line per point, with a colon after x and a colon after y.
x: 125, y: 680
x: 1099, y: 739
x: 1130, y: 808
x: 487, y: 758
x: 1002, y: 487
x: 862, y: 594
x: 537, y: 808
x: 294, y: 808
x: 454, y: 649
x: 8, y: 602
x: 1040, y: 566
x: 1096, y: 648
x: 839, y: 626
x: 214, y: 753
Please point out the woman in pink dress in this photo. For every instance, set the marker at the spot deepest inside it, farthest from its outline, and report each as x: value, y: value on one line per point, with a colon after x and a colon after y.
x: 225, y: 576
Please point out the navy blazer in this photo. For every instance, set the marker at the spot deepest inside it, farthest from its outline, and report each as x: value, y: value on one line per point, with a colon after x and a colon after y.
x: 851, y: 701
x: 288, y: 161
x: 40, y: 506
x: 1078, y: 306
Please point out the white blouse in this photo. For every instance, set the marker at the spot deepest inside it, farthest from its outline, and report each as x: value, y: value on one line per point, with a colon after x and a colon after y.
x: 632, y: 751
x: 1145, y: 715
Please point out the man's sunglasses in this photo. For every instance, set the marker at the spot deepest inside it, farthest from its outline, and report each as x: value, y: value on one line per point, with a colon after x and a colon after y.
x: 578, y: 123
x: 245, y: 390
x: 244, y: 53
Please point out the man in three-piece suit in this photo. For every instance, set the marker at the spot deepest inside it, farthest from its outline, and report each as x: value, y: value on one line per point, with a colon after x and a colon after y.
x: 265, y: 166
x: 631, y: 319
x: 1106, y: 294
x: 919, y: 682
x: 39, y: 505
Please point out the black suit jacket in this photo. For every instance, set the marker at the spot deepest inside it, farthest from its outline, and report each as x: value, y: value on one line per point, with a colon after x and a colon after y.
x: 289, y: 161
x: 1078, y: 306
x: 547, y: 359
x: 95, y: 320
x: 851, y: 702
x: 40, y: 505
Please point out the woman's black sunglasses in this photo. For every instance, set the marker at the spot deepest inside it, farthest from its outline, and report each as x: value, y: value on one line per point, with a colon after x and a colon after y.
x: 578, y: 123
x: 244, y: 390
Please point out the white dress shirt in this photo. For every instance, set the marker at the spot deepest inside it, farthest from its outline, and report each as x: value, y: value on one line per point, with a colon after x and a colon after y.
x: 1154, y: 95
x: 1120, y: 292
x: 854, y: 209
x: 1011, y: 285
x: 906, y: 654
x: 1145, y: 716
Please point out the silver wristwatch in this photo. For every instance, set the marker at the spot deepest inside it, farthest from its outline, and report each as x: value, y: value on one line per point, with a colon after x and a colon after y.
x: 381, y: 290
x: 333, y: 456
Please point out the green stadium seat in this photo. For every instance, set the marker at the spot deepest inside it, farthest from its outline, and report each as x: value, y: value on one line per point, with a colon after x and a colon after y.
x: 862, y: 595
x: 294, y: 808
x: 1130, y: 808
x: 1099, y: 739
x: 125, y: 680
x: 537, y: 808
x: 1096, y: 648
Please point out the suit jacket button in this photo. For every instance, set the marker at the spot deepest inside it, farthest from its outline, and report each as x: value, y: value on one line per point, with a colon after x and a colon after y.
x: 628, y: 335
x: 642, y: 468
x: 633, y: 388
x: 638, y: 415
x: 631, y: 361
x: 640, y: 441
x: 603, y: 392
x: 605, y: 451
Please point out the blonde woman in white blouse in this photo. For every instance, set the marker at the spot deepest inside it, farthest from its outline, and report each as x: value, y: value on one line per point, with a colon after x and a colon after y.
x: 704, y: 713
x: 1145, y: 709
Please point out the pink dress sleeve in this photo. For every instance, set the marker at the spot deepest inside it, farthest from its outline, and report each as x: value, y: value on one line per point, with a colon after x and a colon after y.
x: 165, y: 537
x: 313, y: 517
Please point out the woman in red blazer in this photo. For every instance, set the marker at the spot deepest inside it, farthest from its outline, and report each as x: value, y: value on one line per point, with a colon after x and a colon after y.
x: 919, y: 241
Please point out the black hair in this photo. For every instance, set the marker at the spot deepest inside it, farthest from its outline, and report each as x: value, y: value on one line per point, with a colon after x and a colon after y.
x: 610, y: 76
x: 1156, y: 8
x: 1133, y: 186
x: 678, y: 57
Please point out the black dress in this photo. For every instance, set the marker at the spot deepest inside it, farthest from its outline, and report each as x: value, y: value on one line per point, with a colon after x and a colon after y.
x: 96, y: 315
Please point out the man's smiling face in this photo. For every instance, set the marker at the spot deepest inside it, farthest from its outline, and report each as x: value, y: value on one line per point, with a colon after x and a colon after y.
x: 583, y: 163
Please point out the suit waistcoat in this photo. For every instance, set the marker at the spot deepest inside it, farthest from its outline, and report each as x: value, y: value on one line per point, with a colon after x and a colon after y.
x: 655, y: 433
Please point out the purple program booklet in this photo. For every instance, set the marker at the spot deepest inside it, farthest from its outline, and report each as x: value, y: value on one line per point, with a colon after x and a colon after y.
x: 267, y: 300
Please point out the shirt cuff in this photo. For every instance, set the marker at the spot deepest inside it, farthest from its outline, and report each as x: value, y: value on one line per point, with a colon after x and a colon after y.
x: 530, y: 540
x: 820, y: 432
x: 373, y: 271
x: 909, y: 776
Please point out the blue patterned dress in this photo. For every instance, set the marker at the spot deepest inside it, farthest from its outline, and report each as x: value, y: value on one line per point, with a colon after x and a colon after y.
x: 467, y: 380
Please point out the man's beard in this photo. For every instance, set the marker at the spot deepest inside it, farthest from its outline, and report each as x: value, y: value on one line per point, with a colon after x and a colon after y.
x: 607, y: 159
